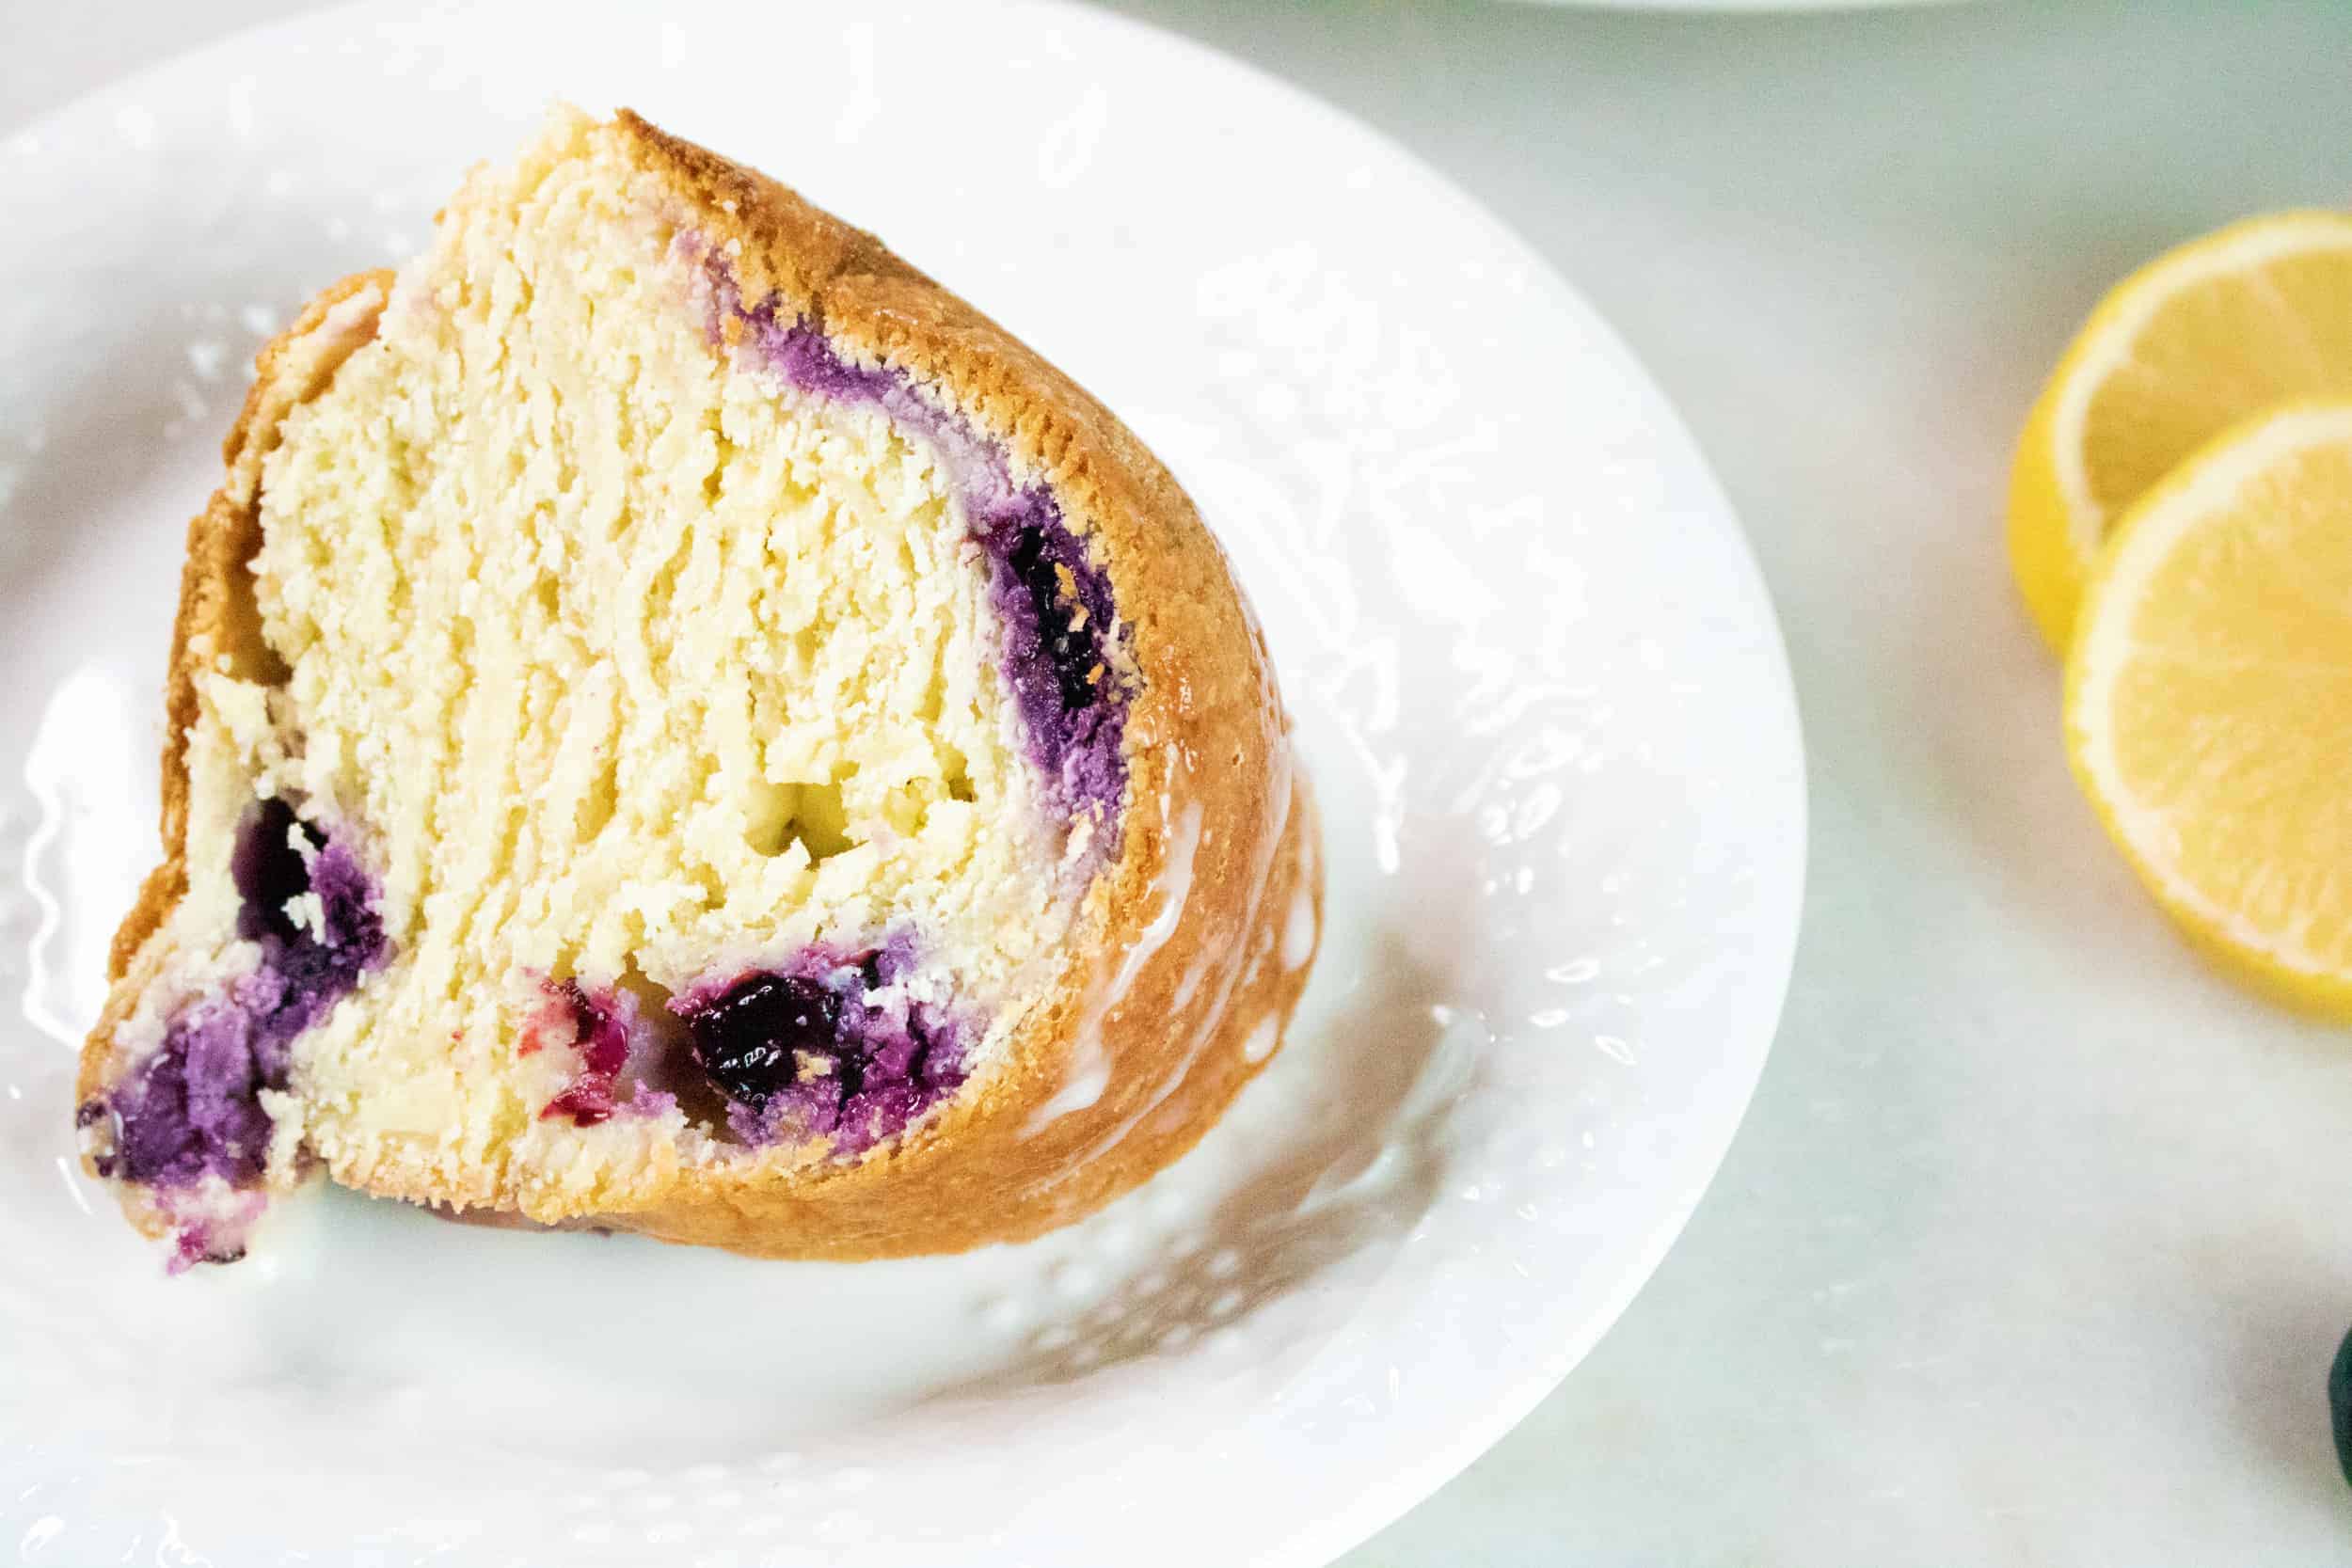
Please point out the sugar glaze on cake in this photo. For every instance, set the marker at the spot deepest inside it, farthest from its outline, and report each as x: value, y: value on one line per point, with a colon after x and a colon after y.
x: 678, y: 721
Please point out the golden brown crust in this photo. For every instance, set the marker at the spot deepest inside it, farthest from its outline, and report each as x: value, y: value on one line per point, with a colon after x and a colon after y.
x: 221, y: 539
x: 1216, y: 819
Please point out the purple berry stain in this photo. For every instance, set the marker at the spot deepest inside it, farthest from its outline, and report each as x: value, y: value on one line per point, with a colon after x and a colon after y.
x: 193, y: 1109
x: 834, y: 1048
x: 602, y: 1041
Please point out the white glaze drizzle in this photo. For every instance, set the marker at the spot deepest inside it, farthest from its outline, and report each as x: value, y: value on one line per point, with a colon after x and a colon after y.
x: 1298, y: 931
x: 1284, y: 792
x: 1089, y: 1070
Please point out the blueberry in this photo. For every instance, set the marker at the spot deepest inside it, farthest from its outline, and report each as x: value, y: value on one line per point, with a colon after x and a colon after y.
x: 2340, y: 1404
x: 1076, y: 655
x: 601, y: 1041
x: 752, y: 1039
x: 268, y: 870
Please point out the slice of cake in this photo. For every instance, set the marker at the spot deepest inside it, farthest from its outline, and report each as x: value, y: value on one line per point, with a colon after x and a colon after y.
x: 677, y: 722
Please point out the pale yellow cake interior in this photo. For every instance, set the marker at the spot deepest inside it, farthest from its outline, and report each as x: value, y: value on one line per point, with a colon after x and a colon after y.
x: 618, y: 659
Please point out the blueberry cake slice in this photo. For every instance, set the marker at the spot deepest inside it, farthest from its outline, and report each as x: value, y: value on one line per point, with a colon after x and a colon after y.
x: 677, y: 722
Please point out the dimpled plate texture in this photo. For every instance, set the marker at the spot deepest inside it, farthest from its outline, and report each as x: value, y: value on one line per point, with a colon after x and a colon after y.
x: 1537, y: 680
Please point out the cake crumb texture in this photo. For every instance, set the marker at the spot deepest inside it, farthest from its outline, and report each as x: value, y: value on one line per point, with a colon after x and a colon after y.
x: 623, y: 657
x: 630, y: 671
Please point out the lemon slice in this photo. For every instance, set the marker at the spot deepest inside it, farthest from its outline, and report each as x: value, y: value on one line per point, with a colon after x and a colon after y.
x: 2209, y: 698
x: 2254, y: 315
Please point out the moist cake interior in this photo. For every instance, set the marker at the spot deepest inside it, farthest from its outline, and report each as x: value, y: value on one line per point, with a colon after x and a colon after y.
x: 659, y: 739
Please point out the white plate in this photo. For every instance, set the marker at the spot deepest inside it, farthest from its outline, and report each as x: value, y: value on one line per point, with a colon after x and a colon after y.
x: 1539, y: 686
